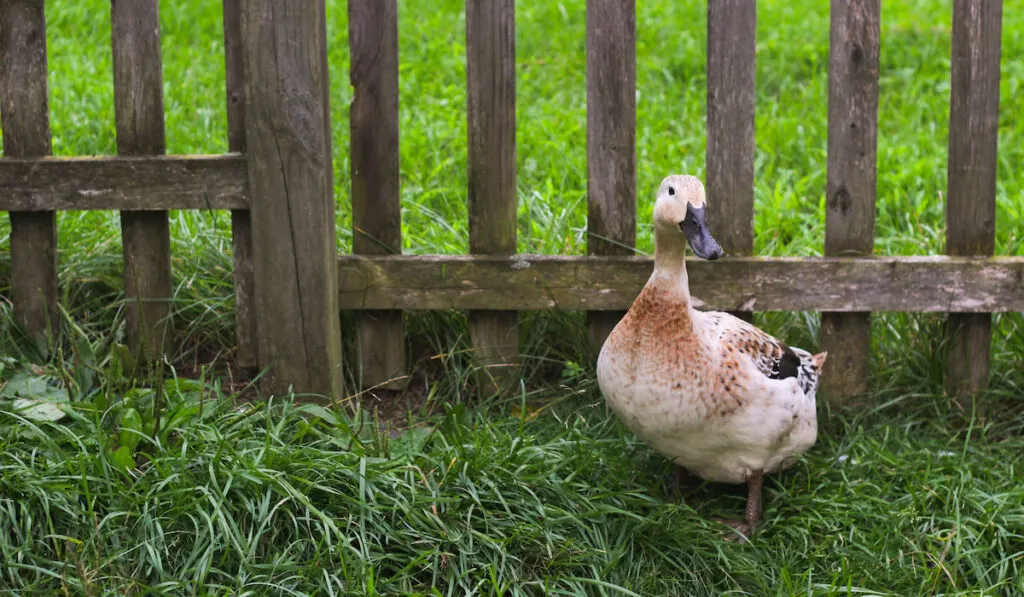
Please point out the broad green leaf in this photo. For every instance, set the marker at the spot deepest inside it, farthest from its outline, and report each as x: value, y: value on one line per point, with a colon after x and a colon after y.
x: 38, y: 410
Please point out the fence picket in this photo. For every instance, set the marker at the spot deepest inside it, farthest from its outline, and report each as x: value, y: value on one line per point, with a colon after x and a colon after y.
x: 376, y: 203
x: 732, y: 28
x: 971, y: 185
x: 246, y: 344
x: 139, y: 114
x: 611, y: 141
x: 854, y: 48
x: 491, y: 111
x: 287, y: 135
x: 26, y: 131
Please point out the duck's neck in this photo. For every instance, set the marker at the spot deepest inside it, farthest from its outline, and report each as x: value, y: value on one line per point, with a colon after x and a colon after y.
x: 670, y: 264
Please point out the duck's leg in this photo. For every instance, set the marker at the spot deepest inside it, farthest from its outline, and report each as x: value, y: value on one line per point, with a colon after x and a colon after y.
x: 754, y: 510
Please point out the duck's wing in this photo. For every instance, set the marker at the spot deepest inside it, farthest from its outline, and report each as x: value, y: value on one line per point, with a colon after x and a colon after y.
x: 772, y: 357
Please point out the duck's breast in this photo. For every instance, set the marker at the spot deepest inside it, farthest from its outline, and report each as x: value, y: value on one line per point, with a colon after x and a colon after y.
x: 652, y: 371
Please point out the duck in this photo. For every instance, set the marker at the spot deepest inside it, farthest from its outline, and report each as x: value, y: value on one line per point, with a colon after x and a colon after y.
x: 714, y: 394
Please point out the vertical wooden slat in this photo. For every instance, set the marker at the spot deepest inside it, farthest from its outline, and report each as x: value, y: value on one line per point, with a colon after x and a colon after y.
x: 971, y: 185
x: 25, y: 114
x: 287, y: 133
x: 139, y: 114
x: 246, y: 354
x: 611, y: 141
x: 491, y: 111
x: 376, y: 205
x: 854, y: 47
x: 732, y: 28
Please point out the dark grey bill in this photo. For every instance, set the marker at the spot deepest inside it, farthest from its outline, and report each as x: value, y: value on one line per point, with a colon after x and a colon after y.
x: 695, y: 227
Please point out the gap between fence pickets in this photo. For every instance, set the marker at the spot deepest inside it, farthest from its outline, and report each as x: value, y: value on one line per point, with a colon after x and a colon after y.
x: 539, y: 282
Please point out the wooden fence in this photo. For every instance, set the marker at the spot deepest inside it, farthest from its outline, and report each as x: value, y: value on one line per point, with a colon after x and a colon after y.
x: 277, y: 181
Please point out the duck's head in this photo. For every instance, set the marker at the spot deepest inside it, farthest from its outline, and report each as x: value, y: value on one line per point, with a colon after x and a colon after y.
x: 680, y: 210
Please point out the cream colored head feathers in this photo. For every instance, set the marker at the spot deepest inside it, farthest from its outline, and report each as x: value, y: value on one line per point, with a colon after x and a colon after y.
x: 680, y: 209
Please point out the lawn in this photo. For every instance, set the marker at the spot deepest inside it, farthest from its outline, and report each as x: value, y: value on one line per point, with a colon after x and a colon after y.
x: 540, y: 491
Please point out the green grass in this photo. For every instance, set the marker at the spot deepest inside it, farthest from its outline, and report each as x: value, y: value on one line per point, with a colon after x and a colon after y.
x: 524, y: 496
x: 542, y: 491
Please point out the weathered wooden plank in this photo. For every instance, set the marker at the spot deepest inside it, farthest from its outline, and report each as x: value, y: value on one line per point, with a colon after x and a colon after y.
x: 538, y: 282
x: 376, y: 202
x: 854, y: 47
x: 287, y: 133
x: 732, y: 29
x: 124, y: 183
x: 971, y: 196
x: 491, y: 113
x: 26, y: 131
x: 139, y: 117
x: 246, y: 343
x: 611, y: 141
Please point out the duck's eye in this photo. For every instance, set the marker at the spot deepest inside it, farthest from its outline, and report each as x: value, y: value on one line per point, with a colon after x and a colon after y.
x: 671, y: 191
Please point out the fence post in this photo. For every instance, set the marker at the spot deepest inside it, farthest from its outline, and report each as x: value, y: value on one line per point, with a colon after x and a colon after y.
x: 971, y: 171
x: 246, y: 357
x: 376, y: 202
x: 287, y: 125
x: 139, y: 114
x: 491, y: 111
x: 611, y: 141
x: 26, y: 130
x: 854, y: 48
x: 732, y: 28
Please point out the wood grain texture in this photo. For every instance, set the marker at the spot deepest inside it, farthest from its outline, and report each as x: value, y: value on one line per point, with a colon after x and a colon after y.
x: 124, y: 183
x: 246, y: 342
x: 491, y: 113
x: 854, y: 46
x: 732, y: 29
x: 971, y: 197
x: 376, y: 201
x: 287, y: 132
x: 139, y: 116
x: 24, y: 109
x: 538, y: 282
x: 611, y: 141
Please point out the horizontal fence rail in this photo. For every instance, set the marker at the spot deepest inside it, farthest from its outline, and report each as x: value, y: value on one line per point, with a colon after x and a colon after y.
x: 124, y: 183
x: 930, y: 284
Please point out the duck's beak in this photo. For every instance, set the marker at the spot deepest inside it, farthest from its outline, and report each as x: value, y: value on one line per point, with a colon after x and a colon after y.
x: 695, y: 227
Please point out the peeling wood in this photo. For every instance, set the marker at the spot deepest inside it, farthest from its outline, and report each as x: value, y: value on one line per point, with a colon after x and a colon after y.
x: 606, y: 283
x: 134, y: 183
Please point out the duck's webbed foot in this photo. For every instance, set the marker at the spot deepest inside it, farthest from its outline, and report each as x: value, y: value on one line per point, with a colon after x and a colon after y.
x: 753, y: 512
x: 675, y: 483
